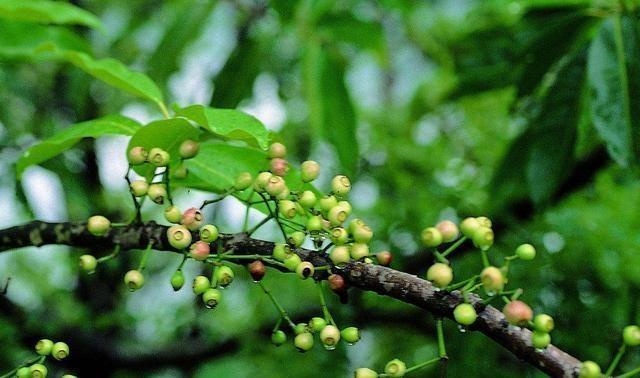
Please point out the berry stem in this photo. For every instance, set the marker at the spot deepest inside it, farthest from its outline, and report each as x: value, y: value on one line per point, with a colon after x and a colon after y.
x: 420, y: 366
x: 108, y: 257
x: 323, y: 304
x: 283, y: 313
x: 145, y: 257
x: 277, y: 326
x: 266, y: 202
x: 442, y: 351
x: 5, y: 289
x: 453, y: 246
x: 163, y: 109
x: 36, y: 360
x: 165, y: 181
x: 245, y: 222
x: 616, y: 360
x: 630, y: 373
x: 260, y: 224
x: 215, y: 200
x: 485, y: 258
x: 462, y: 283
x: 138, y: 217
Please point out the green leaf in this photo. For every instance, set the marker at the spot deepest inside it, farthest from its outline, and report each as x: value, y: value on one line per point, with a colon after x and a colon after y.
x: 22, y: 40
x: 48, y: 12
x: 65, y: 139
x: 614, y: 71
x: 167, y: 134
x: 235, y: 81
x: 228, y: 123
x: 347, y: 29
x: 331, y: 111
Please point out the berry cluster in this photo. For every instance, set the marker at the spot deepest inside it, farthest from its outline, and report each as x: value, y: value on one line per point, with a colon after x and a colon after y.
x: 36, y: 368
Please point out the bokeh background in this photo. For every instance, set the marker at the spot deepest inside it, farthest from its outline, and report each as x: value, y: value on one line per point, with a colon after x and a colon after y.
x: 436, y: 109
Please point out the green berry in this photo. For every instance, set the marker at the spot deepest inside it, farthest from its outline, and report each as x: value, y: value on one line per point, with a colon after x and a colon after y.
x: 365, y: 373
x: 88, y: 263
x: 346, y: 206
x: 631, y: 335
x: 543, y: 323
x: 177, y: 280
x: 492, y: 279
x: 181, y: 172
x: 256, y: 270
x: 23, y: 372
x: 38, y: 371
x: 44, y: 346
x: 179, y: 237
x: 300, y: 328
x: 287, y: 208
x: 395, y: 368
x: 359, y: 251
x: 285, y: 194
x: 314, y: 223
x: 134, y: 280
x: 188, y: 149
x: 465, y: 314
x: 172, y: 214
x: 337, y: 215
x: 200, y: 285
x: 307, y: 199
x: 209, y: 233
x: 199, y: 250
x: 449, y: 230
x: 137, y: 155
x: 277, y: 150
x: 590, y: 369
x: 243, y: 181
x: 340, y: 254
x: 211, y: 298
x: 139, y: 188
x: 483, y: 238
x: 192, y: 219
x: 339, y: 236
x: 98, y: 225
x: 158, y: 157
x: 328, y: 202
x: 281, y: 252
x: 469, y: 226
x: 540, y: 340
x: 224, y: 276
x: 60, y: 350
x: 384, y: 258
x: 278, y: 338
x: 296, y: 238
x: 292, y: 261
x: 305, y: 270
x: 526, y: 252
x: 484, y: 222
x: 517, y: 313
x: 440, y: 275
x: 303, y: 341
x: 275, y: 186
x: 354, y: 224
x: 431, y: 237
x: 351, y: 335
x: 330, y: 336
x: 157, y: 193
x: 362, y: 233
x: 316, y: 324
x: 261, y: 181
x: 309, y: 170
x: 340, y: 185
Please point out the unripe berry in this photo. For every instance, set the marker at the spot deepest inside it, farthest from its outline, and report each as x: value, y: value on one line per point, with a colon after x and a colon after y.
x: 278, y: 338
x: 137, y: 155
x: 292, y: 261
x: 316, y: 324
x: 287, y: 208
x: 314, y: 223
x: 492, y: 279
x: 395, y: 368
x: 307, y: 199
x: 440, y: 274
x: 224, y: 276
x: 139, y: 188
x: 243, y: 181
x: 540, y: 340
x: 211, y: 298
x: 157, y: 193
x: 543, y: 323
x: 309, y: 170
x: 340, y: 185
x: 339, y: 236
x: 336, y: 283
x: 346, y: 206
x: 355, y: 224
x: 134, y: 280
x: 526, y: 252
x: 340, y: 254
x: 199, y: 250
x: 38, y: 371
x: 330, y: 336
x: 192, y: 219
x: 60, y: 350
x: 209, y: 233
x: 285, y: 194
x: 296, y: 238
x: 384, y: 258
x: 449, y: 230
x: 281, y: 252
x: 179, y: 237
x: 365, y: 373
x: 590, y: 369
x: 277, y: 150
x: 484, y: 221
x: 23, y: 372
x: 88, y: 263
x: 517, y: 313
x: 483, y: 238
x: 98, y: 225
x: 177, y: 280
x: 337, y: 215
x: 303, y: 341
x: 631, y: 335
x: 359, y: 251
x: 362, y: 233
x: 172, y: 214
x: 44, y: 346
x: 188, y: 149
x: 256, y: 270
x: 279, y: 167
x: 275, y: 186
x: 469, y: 226
x: 465, y: 314
x: 261, y: 181
x: 305, y: 270
x: 181, y: 172
x: 300, y: 328
x: 351, y: 335
x: 328, y: 202
x: 431, y: 237
x: 200, y: 285
x: 158, y: 157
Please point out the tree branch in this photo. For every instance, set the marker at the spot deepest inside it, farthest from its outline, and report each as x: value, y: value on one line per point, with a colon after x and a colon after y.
x: 369, y: 277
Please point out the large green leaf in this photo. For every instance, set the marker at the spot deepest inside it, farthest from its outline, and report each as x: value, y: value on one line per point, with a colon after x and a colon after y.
x: 48, y: 12
x: 65, y: 139
x: 331, y: 111
x: 614, y: 74
x: 228, y: 123
x: 20, y: 40
x: 235, y: 81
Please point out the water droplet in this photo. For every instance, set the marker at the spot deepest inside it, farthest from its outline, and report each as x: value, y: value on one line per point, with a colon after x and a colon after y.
x: 350, y: 344
x: 490, y: 293
x: 329, y: 347
x: 462, y: 328
x: 436, y: 289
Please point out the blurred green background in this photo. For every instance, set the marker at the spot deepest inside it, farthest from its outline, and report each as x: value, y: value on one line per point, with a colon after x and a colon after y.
x: 436, y: 109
